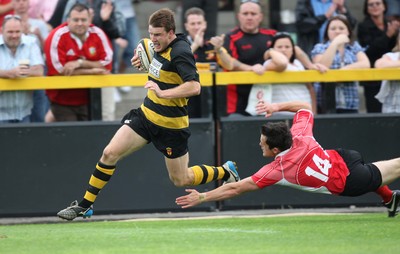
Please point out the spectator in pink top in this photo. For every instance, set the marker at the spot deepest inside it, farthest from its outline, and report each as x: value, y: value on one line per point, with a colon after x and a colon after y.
x: 42, y: 9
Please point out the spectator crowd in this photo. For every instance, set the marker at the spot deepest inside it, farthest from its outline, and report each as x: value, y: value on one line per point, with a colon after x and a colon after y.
x: 98, y: 37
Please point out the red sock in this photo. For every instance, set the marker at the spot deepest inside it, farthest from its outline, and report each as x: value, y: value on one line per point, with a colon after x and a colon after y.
x: 385, y: 193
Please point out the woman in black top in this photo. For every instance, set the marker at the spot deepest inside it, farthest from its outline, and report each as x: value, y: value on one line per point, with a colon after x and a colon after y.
x: 378, y: 36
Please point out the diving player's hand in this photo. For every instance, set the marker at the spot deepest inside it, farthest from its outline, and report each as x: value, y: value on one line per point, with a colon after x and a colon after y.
x: 192, y: 199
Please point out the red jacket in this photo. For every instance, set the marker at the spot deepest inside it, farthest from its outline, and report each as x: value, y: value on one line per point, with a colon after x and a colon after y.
x: 61, y: 47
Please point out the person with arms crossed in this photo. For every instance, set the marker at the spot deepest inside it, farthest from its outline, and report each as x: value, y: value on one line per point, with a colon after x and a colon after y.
x: 300, y: 162
x: 284, y: 55
x: 246, y: 44
x: 15, y: 47
x: 76, y: 48
x: 104, y: 16
x: 161, y: 119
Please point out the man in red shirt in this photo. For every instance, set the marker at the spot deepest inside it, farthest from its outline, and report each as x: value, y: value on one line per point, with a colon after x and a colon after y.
x: 76, y: 48
x: 302, y: 163
x: 246, y: 43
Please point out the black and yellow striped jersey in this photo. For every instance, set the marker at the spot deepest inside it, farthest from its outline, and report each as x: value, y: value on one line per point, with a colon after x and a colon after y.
x: 170, y: 68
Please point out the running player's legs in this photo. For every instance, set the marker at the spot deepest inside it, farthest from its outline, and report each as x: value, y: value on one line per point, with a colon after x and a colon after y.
x: 178, y: 170
x: 174, y: 145
x: 390, y: 170
x: 130, y: 137
x: 124, y: 142
x: 182, y: 175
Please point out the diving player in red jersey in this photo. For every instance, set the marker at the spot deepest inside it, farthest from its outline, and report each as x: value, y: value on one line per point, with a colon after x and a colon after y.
x: 302, y: 163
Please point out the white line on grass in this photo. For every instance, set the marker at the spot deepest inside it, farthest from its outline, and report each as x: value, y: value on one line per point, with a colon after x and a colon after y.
x: 239, y: 216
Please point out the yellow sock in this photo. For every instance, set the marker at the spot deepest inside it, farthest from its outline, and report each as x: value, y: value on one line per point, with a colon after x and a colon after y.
x: 100, y: 177
x: 205, y: 174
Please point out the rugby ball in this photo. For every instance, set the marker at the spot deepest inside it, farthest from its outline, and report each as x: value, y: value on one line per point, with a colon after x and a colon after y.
x: 145, y: 51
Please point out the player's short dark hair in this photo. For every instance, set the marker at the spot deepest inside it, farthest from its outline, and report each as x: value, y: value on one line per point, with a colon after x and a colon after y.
x: 278, y: 135
x: 163, y: 18
x: 194, y: 11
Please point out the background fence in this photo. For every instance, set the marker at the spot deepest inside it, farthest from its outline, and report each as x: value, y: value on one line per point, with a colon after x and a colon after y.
x: 46, y: 166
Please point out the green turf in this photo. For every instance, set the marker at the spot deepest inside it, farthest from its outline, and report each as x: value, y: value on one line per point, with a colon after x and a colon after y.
x: 356, y: 233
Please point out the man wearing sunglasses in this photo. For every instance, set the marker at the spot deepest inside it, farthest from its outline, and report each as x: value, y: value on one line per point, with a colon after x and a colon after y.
x: 20, y: 57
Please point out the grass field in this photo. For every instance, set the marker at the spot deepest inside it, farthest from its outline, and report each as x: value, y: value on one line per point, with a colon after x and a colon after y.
x: 353, y: 233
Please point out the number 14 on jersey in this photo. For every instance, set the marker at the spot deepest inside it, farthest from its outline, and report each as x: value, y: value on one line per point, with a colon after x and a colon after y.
x: 322, y: 170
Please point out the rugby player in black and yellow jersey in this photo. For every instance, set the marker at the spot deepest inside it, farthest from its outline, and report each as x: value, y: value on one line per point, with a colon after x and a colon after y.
x: 162, y: 118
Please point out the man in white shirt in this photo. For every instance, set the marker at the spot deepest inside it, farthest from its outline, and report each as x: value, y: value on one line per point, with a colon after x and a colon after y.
x: 15, y: 106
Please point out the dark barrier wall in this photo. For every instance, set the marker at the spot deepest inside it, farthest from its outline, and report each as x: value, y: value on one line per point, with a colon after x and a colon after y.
x: 375, y: 136
x: 45, y: 167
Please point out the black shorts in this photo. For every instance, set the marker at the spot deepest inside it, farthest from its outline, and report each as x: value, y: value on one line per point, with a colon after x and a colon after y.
x: 363, y: 177
x: 172, y: 143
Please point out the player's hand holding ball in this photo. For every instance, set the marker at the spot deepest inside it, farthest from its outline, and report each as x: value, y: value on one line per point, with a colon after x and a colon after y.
x: 135, y: 61
x: 143, y: 55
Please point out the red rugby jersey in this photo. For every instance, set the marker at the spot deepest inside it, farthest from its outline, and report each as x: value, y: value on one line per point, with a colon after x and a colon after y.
x: 62, y: 46
x: 305, y: 165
